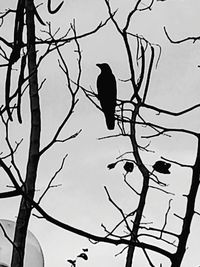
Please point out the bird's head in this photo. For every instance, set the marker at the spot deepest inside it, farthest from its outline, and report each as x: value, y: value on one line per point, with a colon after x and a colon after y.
x: 103, y: 66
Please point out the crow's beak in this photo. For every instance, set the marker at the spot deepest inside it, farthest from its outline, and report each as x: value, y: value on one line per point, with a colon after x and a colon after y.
x: 98, y: 65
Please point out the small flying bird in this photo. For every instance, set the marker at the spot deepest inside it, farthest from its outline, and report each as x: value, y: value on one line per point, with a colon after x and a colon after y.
x: 107, y: 93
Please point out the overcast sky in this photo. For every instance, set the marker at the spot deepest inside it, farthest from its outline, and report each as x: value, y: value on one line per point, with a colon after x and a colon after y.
x: 81, y: 200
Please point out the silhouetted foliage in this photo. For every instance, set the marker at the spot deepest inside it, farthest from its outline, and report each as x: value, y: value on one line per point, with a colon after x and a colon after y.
x: 128, y: 166
x: 162, y: 167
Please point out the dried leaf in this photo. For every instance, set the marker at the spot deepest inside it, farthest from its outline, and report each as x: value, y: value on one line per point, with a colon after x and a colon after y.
x: 162, y: 167
x: 111, y: 165
x: 73, y: 262
x: 83, y: 256
x: 128, y: 166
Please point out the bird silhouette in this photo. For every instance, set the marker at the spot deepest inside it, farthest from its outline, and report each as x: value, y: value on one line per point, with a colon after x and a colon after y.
x: 107, y: 93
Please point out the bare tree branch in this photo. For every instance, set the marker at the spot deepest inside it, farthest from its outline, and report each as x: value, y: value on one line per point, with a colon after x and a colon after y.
x: 192, y: 38
x: 52, y: 179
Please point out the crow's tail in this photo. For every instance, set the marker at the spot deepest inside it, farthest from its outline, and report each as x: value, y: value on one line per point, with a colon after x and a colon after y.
x: 110, y: 121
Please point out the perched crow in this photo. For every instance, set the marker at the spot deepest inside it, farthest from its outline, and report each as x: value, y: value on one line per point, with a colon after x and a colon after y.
x: 107, y: 92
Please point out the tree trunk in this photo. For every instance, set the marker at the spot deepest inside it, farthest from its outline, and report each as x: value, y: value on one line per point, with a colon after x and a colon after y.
x: 33, y: 158
x: 190, y: 209
x: 143, y: 194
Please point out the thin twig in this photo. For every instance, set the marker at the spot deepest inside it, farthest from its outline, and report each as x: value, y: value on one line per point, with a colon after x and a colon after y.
x: 52, y: 179
x: 118, y: 208
x: 166, y: 217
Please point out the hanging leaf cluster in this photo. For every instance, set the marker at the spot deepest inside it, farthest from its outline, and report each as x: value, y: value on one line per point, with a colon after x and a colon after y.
x: 82, y: 255
x: 128, y: 166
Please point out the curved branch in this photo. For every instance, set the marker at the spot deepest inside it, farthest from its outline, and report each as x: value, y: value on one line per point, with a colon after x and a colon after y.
x: 130, y: 15
x: 190, y: 38
x: 6, y: 42
x: 98, y: 27
x: 19, y: 89
x: 98, y: 238
x: 149, y: 74
x: 56, y: 9
x: 167, y: 112
x: 73, y: 94
x: 9, y: 194
x: 142, y: 70
x: 164, y: 130
x: 76, y: 230
x: 118, y: 208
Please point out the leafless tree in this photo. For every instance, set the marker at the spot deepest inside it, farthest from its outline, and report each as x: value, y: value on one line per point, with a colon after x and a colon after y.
x: 132, y: 125
x: 23, y: 48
